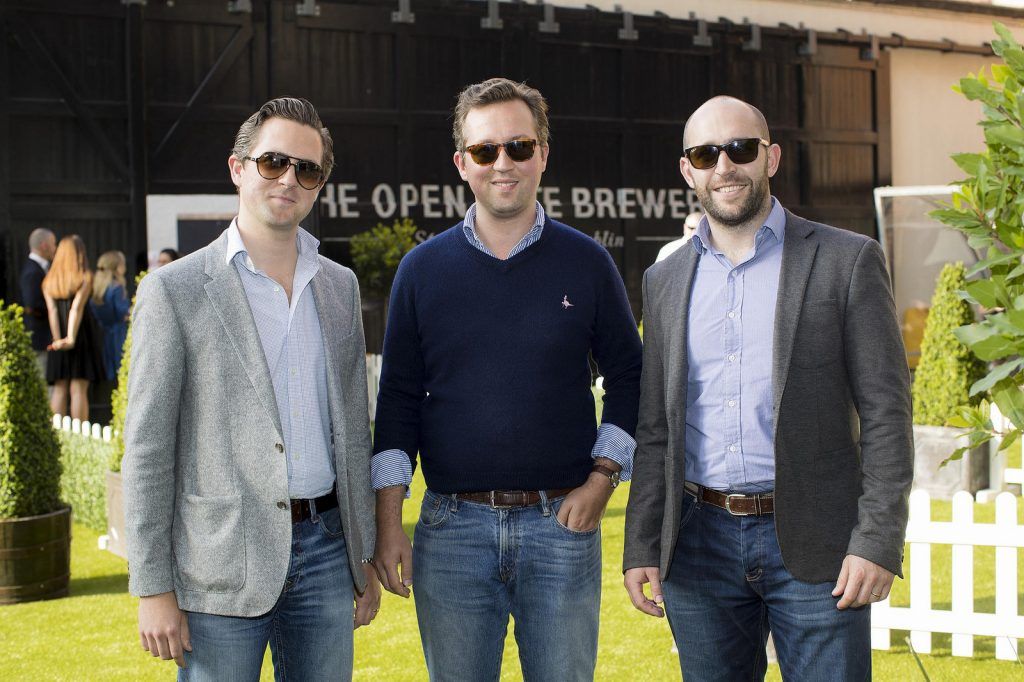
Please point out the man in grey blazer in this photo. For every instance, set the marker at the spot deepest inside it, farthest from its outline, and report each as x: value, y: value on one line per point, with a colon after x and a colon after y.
x: 248, y: 505
x: 774, y: 450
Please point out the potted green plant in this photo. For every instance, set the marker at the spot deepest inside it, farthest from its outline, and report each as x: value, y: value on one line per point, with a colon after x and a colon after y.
x: 942, y: 383
x: 35, y: 525
x: 375, y: 257
x: 987, y: 208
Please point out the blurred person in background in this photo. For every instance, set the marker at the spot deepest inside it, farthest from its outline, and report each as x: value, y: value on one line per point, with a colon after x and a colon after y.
x: 75, y: 357
x: 110, y: 305
x: 166, y: 256
x: 42, y: 244
x: 689, y: 228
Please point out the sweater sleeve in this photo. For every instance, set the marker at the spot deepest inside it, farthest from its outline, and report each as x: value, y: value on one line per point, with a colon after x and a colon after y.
x: 401, y: 391
x: 617, y: 351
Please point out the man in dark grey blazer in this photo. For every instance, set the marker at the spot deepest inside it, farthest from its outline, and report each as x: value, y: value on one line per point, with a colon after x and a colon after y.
x: 774, y: 453
x: 248, y: 506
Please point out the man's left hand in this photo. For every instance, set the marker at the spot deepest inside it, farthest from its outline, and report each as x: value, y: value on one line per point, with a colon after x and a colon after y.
x: 861, y: 582
x: 583, y: 508
x: 368, y: 603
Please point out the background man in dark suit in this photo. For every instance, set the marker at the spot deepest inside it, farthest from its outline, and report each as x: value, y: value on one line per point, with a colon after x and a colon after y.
x: 774, y: 449
x: 42, y: 244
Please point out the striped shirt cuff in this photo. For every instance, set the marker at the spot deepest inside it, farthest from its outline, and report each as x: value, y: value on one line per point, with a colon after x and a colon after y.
x: 391, y: 467
x: 616, y: 445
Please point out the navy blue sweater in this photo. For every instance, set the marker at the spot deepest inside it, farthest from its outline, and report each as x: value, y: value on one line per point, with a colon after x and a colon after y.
x: 485, y: 370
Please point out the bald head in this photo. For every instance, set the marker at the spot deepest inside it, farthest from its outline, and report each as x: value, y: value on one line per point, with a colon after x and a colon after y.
x: 43, y: 242
x: 718, y: 110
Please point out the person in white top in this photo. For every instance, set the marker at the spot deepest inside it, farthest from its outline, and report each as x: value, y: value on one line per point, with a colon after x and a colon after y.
x: 689, y: 228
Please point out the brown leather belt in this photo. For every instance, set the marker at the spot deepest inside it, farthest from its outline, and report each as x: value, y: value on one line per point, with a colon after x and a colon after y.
x: 507, y: 499
x: 737, y: 505
x: 301, y: 509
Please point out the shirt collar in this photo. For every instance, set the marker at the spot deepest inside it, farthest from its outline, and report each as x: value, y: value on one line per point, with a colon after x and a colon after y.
x: 306, y: 243
x: 43, y: 263
x: 469, y: 226
x: 775, y: 222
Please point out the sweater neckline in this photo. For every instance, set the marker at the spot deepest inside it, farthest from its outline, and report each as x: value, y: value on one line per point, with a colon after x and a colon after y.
x: 509, y: 263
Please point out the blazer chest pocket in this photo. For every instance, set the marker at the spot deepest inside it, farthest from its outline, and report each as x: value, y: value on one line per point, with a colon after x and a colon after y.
x: 819, y: 335
x: 209, y: 543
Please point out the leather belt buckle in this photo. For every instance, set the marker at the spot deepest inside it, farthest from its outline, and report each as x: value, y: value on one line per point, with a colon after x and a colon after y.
x: 728, y: 505
x: 506, y: 502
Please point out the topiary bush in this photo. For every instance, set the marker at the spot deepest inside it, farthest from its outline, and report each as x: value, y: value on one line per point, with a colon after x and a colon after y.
x: 119, y: 398
x: 30, y: 466
x: 947, y: 368
x: 377, y: 252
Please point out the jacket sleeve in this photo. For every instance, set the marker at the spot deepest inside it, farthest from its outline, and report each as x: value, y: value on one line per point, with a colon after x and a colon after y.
x: 155, y: 379
x: 880, y: 383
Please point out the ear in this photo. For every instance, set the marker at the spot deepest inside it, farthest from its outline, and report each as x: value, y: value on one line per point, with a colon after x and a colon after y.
x: 235, y: 166
x: 774, y: 157
x: 686, y: 170
x: 460, y: 162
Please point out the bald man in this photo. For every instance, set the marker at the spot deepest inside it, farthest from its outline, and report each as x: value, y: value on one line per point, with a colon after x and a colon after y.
x: 774, y: 449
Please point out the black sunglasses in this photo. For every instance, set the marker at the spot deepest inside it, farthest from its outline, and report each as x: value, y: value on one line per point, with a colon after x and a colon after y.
x: 272, y: 165
x: 705, y: 156
x: 486, y: 153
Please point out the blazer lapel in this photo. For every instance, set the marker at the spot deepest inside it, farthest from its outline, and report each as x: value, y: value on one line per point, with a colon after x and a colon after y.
x: 227, y: 295
x: 675, y: 320
x: 797, y: 258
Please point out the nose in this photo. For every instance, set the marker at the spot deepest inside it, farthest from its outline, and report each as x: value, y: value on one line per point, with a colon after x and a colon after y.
x: 503, y: 162
x: 288, y: 178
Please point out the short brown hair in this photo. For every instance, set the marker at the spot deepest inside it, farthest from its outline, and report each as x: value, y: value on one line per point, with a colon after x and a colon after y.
x: 291, y: 109
x: 495, y: 91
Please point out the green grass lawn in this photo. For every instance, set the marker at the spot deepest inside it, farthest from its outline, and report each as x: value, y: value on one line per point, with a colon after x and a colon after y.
x: 91, y: 634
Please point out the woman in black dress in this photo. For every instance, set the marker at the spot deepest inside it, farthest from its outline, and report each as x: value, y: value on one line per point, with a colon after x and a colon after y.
x: 75, y: 356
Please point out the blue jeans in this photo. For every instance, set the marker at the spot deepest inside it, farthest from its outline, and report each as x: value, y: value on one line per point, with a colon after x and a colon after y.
x: 475, y: 565
x: 309, y: 629
x: 727, y: 588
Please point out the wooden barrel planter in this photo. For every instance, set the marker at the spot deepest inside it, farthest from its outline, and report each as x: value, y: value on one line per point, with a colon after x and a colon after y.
x: 35, y: 557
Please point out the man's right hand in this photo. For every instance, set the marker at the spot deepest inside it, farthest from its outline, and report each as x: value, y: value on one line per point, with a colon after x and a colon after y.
x: 635, y: 579
x: 163, y: 628
x: 393, y: 548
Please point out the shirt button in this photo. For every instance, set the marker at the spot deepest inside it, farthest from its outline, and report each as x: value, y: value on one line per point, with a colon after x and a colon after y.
x: 282, y: 505
x: 732, y: 448
x: 732, y: 314
x: 732, y: 403
x: 276, y: 289
x: 279, y: 447
x: 732, y: 358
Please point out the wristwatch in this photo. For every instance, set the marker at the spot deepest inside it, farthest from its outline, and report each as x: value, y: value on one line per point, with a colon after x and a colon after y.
x: 613, y: 476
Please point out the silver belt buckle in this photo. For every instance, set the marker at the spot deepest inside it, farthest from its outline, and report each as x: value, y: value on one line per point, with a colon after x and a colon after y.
x: 728, y: 505
x: 498, y: 506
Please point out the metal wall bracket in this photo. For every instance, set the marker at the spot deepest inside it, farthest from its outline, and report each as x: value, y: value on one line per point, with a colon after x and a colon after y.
x: 627, y: 32
x: 307, y: 8
x: 754, y: 44
x: 240, y: 6
x: 404, y: 13
x: 702, y: 39
x: 811, y: 46
x: 870, y: 53
x: 493, y: 18
x: 549, y: 25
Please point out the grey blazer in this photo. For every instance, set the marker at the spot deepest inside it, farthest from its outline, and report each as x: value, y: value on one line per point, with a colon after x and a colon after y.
x: 842, y: 408
x: 205, y: 483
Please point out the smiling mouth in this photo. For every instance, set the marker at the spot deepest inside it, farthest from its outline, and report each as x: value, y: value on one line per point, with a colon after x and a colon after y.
x: 729, y: 189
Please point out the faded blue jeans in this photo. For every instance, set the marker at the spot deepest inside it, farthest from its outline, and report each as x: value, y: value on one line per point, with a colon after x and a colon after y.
x: 727, y: 588
x: 476, y: 565
x: 309, y: 629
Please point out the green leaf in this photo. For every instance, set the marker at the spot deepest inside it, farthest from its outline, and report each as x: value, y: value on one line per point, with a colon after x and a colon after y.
x: 985, y: 292
x: 1009, y: 439
x: 1010, y: 401
x: 969, y: 163
x: 996, y: 375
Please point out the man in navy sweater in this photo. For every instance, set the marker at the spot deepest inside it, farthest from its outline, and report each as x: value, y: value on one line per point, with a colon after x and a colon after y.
x: 486, y: 377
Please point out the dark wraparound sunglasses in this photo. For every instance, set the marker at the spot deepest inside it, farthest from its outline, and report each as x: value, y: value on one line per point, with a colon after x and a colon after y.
x: 705, y: 156
x: 486, y: 153
x: 272, y: 165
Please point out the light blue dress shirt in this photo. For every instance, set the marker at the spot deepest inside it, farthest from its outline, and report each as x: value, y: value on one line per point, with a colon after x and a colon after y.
x: 293, y: 345
x: 393, y: 467
x: 730, y: 441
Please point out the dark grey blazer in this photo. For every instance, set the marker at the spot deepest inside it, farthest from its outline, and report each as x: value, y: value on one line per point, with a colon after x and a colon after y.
x: 205, y: 483
x: 842, y: 413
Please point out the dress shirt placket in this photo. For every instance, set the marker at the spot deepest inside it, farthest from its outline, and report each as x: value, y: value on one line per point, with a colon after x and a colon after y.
x: 733, y: 343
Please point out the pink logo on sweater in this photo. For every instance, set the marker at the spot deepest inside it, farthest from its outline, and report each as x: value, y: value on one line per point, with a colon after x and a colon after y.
x: 565, y: 302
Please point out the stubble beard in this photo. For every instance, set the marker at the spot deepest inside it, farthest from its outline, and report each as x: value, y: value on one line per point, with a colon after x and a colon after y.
x: 753, y: 204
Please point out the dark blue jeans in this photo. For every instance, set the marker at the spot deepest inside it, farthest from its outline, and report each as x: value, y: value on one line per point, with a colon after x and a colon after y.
x: 309, y: 629
x: 727, y: 588
x: 476, y: 565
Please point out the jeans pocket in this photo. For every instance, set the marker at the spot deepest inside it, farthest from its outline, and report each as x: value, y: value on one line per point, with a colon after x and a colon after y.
x: 435, y: 510
x: 689, y: 507
x: 209, y: 543
x: 330, y: 523
x: 555, y: 506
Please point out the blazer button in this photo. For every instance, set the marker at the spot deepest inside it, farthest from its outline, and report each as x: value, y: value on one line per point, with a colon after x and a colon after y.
x: 282, y: 505
x: 279, y: 447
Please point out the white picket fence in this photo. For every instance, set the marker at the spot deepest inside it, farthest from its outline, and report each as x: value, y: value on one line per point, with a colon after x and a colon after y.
x: 999, y: 473
x: 65, y: 423
x: 373, y: 364
x: 961, y: 620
